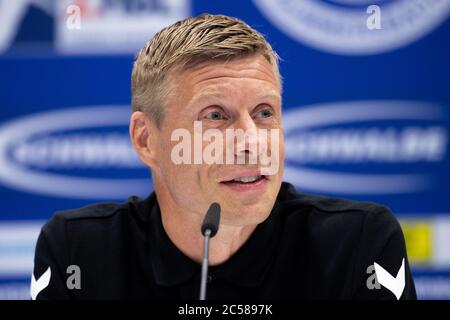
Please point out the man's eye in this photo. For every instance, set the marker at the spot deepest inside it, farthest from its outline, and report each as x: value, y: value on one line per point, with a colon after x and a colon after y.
x: 265, y: 113
x: 214, y: 115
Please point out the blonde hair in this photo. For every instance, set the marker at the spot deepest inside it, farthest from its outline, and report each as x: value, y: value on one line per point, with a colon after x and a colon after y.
x: 193, y: 40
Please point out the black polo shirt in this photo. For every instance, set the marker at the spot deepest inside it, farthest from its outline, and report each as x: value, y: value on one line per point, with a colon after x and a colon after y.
x: 310, y: 247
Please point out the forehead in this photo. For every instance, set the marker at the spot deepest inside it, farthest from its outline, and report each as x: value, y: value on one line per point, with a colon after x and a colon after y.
x: 253, y: 72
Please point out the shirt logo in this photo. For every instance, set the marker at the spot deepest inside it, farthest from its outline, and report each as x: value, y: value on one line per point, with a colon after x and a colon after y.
x: 40, y: 284
x: 395, y: 285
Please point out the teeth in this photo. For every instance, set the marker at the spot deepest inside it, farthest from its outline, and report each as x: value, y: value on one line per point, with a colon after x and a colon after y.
x: 247, y: 179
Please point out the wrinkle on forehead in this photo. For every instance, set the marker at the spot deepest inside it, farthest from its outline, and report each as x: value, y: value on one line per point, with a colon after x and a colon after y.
x: 253, y: 67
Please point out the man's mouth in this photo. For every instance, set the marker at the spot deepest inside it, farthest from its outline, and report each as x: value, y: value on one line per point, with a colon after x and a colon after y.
x: 246, y: 180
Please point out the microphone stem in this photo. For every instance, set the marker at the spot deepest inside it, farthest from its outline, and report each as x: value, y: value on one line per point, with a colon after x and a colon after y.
x: 204, y: 274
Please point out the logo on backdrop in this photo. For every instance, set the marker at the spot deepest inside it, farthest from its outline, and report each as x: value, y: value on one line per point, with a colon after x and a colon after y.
x: 121, y: 26
x: 88, y: 26
x: 366, y: 147
x: 82, y: 153
x: 340, y: 26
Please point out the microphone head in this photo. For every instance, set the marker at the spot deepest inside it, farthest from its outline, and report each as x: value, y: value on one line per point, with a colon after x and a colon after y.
x: 212, y: 219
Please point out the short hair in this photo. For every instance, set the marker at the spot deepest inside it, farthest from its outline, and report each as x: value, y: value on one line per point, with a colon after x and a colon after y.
x: 198, y: 39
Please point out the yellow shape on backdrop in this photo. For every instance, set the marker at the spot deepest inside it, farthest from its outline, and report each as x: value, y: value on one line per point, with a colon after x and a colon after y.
x: 419, y: 240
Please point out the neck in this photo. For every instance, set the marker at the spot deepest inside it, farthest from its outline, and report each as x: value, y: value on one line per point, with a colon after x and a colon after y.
x: 183, y: 229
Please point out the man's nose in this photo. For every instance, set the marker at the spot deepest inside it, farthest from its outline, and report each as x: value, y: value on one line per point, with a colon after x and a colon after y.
x: 245, y: 122
x: 247, y: 139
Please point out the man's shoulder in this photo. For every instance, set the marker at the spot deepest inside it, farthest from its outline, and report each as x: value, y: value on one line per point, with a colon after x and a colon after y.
x: 341, y: 239
x: 93, y: 211
x: 337, y: 213
x: 101, y: 213
x: 337, y: 231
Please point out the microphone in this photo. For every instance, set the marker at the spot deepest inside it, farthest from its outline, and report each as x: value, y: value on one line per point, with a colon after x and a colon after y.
x: 209, y: 229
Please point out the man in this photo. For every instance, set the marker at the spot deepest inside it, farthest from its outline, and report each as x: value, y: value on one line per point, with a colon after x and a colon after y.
x: 216, y: 74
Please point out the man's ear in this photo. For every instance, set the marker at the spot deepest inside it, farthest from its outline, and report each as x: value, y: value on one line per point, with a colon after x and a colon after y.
x: 143, y: 134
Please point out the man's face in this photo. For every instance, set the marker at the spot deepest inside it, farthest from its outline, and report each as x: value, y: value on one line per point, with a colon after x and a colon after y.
x: 239, y: 94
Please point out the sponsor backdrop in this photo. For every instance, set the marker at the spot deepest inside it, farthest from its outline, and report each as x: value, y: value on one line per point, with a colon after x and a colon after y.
x: 366, y: 102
